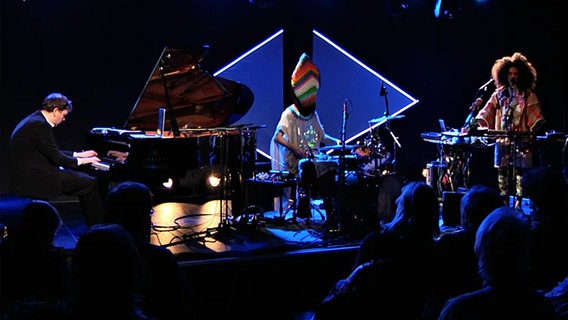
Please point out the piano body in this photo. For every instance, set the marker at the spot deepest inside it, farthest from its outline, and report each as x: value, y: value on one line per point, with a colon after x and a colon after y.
x: 203, y: 106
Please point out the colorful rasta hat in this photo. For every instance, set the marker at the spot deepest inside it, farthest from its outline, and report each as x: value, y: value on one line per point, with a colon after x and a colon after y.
x: 306, y: 82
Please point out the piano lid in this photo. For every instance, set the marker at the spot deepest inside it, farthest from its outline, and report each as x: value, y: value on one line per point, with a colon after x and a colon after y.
x: 195, y: 98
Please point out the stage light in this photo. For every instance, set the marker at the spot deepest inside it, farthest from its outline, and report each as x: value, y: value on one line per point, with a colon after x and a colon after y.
x: 447, y: 9
x: 213, y: 181
x: 263, y: 3
x: 396, y: 8
x: 168, y: 184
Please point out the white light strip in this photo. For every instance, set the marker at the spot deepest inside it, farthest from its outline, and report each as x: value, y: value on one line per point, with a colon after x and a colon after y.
x: 264, y: 153
x: 248, y: 52
x: 366, y: 67
x: 414, y: 101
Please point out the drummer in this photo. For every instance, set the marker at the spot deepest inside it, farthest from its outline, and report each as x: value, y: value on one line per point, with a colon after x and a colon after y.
x: 299, y: 133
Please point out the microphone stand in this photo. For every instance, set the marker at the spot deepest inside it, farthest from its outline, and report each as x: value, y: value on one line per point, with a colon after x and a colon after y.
x: 342, y: 168
x: 342, y: 135
x: 173, y: 119
x: 483, y: 94
x: 383, y: 93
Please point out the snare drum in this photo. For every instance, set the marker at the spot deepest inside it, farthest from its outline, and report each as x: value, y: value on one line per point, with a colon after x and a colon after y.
x: 351, y: 162
x: 372, y: 156
x: 373, y: 164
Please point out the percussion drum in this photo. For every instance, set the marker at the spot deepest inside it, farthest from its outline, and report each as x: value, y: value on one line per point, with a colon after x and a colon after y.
x: 372, y: 155
x: 310, y: 170
x: 318, y: 173
x: 351, y: 162
x: 372, y: 163
x: 372, y: 200
x: 235, y: 149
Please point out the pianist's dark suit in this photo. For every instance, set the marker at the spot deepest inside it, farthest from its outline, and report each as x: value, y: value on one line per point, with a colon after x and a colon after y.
x: 38, y: 169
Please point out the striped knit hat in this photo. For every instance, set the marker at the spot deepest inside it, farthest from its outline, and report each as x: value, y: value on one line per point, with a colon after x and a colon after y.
x: 306, y: 82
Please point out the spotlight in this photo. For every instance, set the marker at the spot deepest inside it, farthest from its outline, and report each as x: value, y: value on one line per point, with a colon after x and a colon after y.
x: 263, y: 4
x: 168, y: 184
x: 213, y: 181
x: 396, y: 8
x: 447, y: 9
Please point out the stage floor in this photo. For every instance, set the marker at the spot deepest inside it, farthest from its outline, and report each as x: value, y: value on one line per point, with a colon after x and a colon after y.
x: 206, y: 231
x: 259, y: 267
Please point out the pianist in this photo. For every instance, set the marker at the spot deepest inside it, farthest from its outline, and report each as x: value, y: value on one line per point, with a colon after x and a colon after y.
x: 39, y: 170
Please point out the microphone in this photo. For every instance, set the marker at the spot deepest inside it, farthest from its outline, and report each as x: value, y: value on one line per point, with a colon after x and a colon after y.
x: 484, y: 86
x: 468, y: 121
x: 475, y: 106
x: 383, y: 89
x: 345, y: 114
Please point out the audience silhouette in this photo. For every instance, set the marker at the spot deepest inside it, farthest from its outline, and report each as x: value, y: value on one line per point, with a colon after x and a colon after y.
x: 37, y: 309
x: 547, y: 190
x: 499, y: 263
x: 415, y: 226
x: 457, y: 270
x: 106, y: 271
x: 395, y: 264
x: 502, y: 244
x: 164, y: 288
x: 559, y: 298
x: 32, y: 266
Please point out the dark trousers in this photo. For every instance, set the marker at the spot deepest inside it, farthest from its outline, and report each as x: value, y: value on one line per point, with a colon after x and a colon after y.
x: 86, y: 187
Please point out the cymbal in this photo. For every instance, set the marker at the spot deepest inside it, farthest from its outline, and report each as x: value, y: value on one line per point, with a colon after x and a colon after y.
x: 338, y: 147
x: 385, y: 118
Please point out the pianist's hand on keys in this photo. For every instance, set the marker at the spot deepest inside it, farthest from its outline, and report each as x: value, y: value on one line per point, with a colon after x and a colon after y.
x: 86, y: 157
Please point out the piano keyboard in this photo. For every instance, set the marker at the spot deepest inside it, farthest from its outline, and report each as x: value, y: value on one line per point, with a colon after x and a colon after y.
x: 105, y: 164
x: 100, y: 166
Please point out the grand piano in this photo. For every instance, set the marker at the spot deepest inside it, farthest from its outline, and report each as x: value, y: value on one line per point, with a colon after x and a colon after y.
x: 180, y: 122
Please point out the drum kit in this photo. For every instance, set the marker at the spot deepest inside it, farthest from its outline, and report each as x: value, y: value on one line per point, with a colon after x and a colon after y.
x: 367, y: 159
x: 368, y: 181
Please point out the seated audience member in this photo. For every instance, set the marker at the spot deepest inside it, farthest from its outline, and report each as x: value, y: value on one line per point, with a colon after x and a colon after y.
x: 457, y: 271
x: 397, y: 266
x: 547, y: 190
x: 559, y: 298
x: 106, y: 271
x: 37, y: 309
x: 502, y: 245
x: 164, y: 290
x: 31, y: 266
x: 414, y: 227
